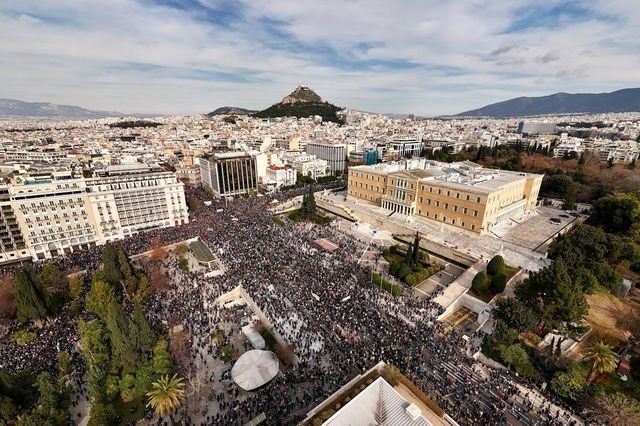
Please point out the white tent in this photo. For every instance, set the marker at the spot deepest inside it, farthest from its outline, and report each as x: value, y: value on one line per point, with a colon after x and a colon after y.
x: 254, y: 369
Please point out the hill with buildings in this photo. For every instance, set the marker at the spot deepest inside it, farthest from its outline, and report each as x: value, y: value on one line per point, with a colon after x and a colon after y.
x: 14, y: 108
x: 302, y: 102
x: 230, y: 110
x: 625, y: 100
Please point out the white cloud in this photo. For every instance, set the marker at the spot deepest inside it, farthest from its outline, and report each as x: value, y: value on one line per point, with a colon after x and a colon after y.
x: 133, y: 56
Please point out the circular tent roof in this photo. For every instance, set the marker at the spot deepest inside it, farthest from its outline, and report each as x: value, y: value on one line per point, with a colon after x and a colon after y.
x: 254, y: 369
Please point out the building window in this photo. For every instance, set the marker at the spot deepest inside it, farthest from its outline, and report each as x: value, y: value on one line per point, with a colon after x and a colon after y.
x: 478, y: 199
x: 464, y: 210
x: 453, y: 221
x: 473, y: 227
x: 437, y: 203
x: 457, y: 195
x: 420, y: 199
x: 455, y: 208
x: 435, y: 216
x: 448, y: 193
x: 462, y: 223
x: 430, y: 189
x: 446, y: 206
x: 475, y: 213
x: 467, y: 197
x: 428, y: 201
x: 444, y: 218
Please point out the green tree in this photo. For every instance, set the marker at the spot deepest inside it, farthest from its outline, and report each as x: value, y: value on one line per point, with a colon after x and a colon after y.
x: 102, y: 413
x: 166, y: 395
x: 569, y: 385
x: 96, y: 350
x: 53, y: 404
x: 8, y: 409
x: 480, y: 283
x: 617, y: 212
x: 140, y: 333
x: 64, y: 364
x: 32, y: 301
x: 602, y: 360
x: 76, y: 285
x: 515, y: 314
x: 128, y: 388
x: 52, y: 277
x: 110, y: 265
x: 409, y: 256
x: 496, y: 265
x: 416, y: 249
x: 567, y: 299
x: 129, y: 279
x: 144, y: 377
x: 123, y: 352
x: 498, y: 283
x: 101, y: 295
x: 161, y: 358
x: 515, y: 356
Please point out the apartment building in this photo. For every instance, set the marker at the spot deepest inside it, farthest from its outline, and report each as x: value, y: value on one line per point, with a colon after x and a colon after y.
x: 189, y: 174
x: 60, y: 215
x: 335, y: 154
x: 229, y: 173
x: 463, y: 195
x: 406, y: 147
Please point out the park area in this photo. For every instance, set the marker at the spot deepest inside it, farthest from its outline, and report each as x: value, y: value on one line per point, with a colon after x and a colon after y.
x: 410, y: 264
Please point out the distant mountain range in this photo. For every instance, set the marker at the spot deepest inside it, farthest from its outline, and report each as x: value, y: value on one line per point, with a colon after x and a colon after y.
x: 230, y: 110
x: 625, y: 100
x: 13, y: 108
x: 302, y: 102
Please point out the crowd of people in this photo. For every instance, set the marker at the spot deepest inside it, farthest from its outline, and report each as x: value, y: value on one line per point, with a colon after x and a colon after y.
x: 340, y: 325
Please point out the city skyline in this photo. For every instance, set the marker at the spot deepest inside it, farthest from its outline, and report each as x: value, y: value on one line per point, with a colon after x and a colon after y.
x: 187, y: 57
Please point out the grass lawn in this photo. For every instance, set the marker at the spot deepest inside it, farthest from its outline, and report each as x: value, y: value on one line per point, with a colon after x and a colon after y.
x: 612, y: 316
x: 277, y: 220
x: 201, y: 251
x: 485, y: 297
x: 123, y: 410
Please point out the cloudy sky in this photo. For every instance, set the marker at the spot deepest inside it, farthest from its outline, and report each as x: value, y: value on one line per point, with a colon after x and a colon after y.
x: 425, y: 57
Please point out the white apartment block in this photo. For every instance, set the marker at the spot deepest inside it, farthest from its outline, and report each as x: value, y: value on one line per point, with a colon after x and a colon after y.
x: 59, y: 216
x: 566, y: 146
x: 313, y: 168
x: 406, y: 147
x: 335, y: 154
x: 280, y: 176
x: 39, y: 156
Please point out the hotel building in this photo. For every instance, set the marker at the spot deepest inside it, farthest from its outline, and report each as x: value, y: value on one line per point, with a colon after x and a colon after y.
x: 464, y: 194
x: 58, y: 214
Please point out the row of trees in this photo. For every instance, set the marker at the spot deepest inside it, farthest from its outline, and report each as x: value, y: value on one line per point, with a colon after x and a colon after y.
x: 43, y: 400
x: 126, y: 358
